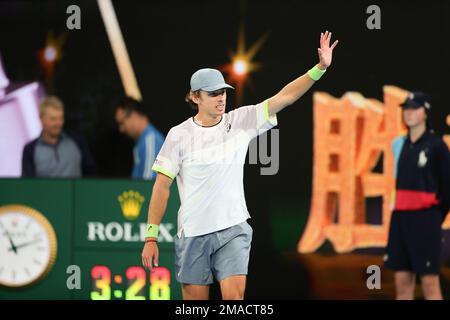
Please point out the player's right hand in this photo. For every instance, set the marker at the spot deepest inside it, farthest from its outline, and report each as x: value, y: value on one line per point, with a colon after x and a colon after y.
x: 150, y: 255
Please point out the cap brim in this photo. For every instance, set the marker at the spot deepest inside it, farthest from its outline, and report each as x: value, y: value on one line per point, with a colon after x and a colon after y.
x: 217, y: 87
x: 410, y: 104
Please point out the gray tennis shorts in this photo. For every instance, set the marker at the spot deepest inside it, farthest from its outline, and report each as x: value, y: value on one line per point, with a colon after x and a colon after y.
x: 220, y: 254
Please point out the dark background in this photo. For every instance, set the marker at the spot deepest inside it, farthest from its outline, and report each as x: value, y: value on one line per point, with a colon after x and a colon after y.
x: 168, y: 40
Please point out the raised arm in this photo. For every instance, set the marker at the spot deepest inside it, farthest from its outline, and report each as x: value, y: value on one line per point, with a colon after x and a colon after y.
x: 295, y: 89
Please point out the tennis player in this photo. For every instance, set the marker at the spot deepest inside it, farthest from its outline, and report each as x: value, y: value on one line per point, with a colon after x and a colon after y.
x: 206, y: 154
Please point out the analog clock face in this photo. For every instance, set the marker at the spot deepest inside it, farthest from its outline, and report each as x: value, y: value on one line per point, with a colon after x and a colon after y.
x: 27, y: 246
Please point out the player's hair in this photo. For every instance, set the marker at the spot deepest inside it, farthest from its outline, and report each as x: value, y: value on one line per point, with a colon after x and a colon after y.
x: 50, y: 102
x: 189, y: 100
x: 129, y: 104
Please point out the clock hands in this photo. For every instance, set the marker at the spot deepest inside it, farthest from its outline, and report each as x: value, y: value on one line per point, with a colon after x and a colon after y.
x: 26, y: 244
x: 13, y: 247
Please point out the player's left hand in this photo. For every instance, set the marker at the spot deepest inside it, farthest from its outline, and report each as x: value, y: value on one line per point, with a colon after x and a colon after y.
x: 325, y: 51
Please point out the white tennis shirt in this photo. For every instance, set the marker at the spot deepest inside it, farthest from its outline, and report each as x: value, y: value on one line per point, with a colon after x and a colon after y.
x: 208, y: 163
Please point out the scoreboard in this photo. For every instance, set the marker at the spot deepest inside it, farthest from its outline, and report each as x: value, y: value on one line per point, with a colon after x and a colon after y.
x: 84, y: 238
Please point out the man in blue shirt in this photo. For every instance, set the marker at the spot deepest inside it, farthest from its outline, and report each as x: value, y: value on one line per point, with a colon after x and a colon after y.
x: 133, y: 121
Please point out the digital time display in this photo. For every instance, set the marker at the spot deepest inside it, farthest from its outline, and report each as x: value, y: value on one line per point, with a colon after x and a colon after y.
x: 135, y: 284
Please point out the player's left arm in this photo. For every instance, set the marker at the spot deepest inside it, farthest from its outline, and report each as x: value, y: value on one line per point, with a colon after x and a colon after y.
x: 295, y: 89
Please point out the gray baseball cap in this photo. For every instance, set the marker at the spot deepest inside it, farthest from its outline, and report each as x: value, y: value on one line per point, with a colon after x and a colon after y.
x: 208, y: 80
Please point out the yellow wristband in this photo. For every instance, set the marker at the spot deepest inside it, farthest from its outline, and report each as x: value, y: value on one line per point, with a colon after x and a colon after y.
x: 316, y: 73
x: 152, y: 231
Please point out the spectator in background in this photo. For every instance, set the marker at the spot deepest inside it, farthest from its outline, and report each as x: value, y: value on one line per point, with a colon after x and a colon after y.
x: 56, y: 153
x: 133, y: 121
x: 422, y: 201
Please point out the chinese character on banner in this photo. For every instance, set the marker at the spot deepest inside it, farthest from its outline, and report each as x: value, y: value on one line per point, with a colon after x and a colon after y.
x: 351, y: 136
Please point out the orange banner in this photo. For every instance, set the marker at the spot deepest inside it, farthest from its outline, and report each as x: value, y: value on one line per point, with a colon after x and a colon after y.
x: 350, y: 136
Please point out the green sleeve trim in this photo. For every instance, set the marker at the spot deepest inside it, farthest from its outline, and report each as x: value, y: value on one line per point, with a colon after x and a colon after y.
x: 266, y: 110
x: 163, y: 171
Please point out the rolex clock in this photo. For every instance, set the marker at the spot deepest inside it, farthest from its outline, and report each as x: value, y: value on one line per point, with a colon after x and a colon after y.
x: 28, y: 246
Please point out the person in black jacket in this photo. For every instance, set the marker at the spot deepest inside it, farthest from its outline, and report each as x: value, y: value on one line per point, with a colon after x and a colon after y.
x: 422, y: 201
x: 56, y: 153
